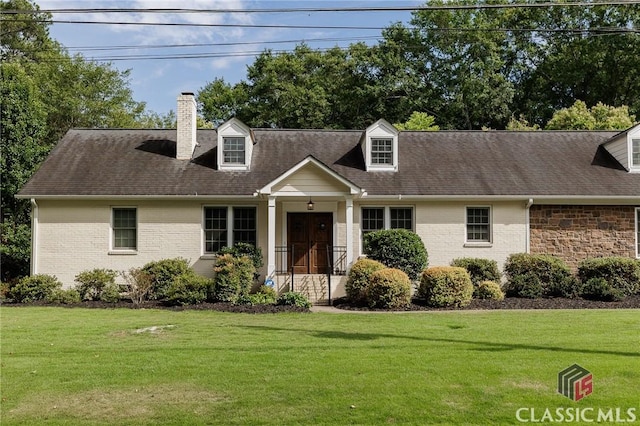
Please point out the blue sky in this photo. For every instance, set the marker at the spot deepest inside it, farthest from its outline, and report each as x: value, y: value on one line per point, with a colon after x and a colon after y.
x: 159, y: 81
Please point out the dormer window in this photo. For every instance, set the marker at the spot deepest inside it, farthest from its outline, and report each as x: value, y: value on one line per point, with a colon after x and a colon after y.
x: 235, y: 146
x: 381, y: 147
x: 635, y: 153
x: 233, y: 150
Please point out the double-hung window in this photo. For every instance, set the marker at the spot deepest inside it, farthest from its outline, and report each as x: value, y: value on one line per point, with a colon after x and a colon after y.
x: 377, y: 218
x: 225, y: 226
x: 234, y: 150
x: 382, y: 151
x: 124, y: 226
x: 478, y: 225
x: 635, y: 153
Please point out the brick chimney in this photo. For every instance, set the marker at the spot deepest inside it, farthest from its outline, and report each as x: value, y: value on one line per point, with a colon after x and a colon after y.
x: 186, y: 139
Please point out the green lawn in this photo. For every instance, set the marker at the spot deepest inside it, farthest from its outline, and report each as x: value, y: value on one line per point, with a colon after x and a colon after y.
x: 90, y: 366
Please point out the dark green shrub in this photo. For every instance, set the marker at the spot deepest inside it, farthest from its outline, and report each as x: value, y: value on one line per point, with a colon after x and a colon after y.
x: 163, y: 272
x: 600, y: 289
x: 64, y: 296
x: 291, y: 298
x: 488, y: 290
x: 397, y: 248
x: 92, y: 283
x: 445, y: 286
x: 139, y: 284
x: 34, y: 288
x: 479, y: 270
x: 233, y: 278
x: 111, y: 293
x: 245, y: 249
x: 358, y: 279
x: 621, y: 274
x: 389, y: 288
x: 189, y: 289
x: 538, y: 275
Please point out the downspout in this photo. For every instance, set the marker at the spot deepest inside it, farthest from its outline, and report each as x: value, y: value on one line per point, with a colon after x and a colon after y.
x: 528, y: 225
x: 34, y: 236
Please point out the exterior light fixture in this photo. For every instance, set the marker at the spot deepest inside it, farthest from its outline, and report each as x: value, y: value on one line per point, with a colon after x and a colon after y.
x: 310, y: 205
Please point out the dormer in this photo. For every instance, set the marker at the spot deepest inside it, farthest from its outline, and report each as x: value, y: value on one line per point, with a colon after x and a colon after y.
x: 235, y: 145
x: 381, y: 147
x: 625, y: 147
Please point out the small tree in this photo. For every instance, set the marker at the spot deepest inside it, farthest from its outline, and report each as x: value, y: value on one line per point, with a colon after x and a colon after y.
x: 397, y: 248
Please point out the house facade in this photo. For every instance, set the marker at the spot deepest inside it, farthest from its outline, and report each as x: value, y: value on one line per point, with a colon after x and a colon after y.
x: 118, y: 198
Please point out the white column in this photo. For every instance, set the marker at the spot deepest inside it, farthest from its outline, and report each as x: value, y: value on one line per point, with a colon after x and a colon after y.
x: 349, y: 214
x: 271, y: 238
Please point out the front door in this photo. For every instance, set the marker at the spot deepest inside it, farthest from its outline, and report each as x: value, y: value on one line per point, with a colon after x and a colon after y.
x: 309, y: 234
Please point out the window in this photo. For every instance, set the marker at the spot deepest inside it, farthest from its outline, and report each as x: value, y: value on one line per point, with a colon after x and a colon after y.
x: 233, y: 150
x: 215, y: 228
x: 377, y: 218
x: 124, y: 227
x: 226, y: 226
x: 382, y: 151
x: 478, y: 225
x: 635, y: 153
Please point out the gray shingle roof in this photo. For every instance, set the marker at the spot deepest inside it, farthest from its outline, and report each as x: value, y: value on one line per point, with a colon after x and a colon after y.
x: 101, y: 162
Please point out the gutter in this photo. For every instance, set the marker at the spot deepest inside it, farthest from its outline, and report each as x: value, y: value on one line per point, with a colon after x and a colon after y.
x: 34, y: 236
x: 527, y: 213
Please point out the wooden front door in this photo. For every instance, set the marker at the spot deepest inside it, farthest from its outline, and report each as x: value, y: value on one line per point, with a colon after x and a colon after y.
x: 309, y: 234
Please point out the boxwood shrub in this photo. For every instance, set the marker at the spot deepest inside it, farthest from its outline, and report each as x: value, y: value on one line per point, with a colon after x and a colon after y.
x: 91, y: 284
x: 397, y: 248
x: 479, y: 269
x: 598, y: 288
x: 488, y: 290
x: 358, y: 279
x: 389, y: 288
x: 620, y: 273
x: 163, y: 272
x: 538, y: 275
x: 446, y: 286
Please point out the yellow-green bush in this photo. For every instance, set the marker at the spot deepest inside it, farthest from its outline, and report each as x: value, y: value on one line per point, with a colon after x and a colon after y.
x: 389, y: 288
x: 446, y: 286
x: 489, y: 290
x: 358, y: 279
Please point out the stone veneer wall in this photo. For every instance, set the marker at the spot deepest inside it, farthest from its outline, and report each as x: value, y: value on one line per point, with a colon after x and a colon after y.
x: 574, y: 233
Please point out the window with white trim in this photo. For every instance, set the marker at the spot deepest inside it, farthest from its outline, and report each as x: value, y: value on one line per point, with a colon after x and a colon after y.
x: 378, y: 218
x: 478, y: 224
x: 635, y: 153
x: 226, y: 226
x: 382, y: 151
x: 233, y: 150
x: 124, y: 226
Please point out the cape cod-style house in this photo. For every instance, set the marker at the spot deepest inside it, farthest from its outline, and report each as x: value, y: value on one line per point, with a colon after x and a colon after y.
x: 119, y: 198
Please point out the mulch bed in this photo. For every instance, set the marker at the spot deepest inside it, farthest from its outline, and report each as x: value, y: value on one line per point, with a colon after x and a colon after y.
x: 631, y: 302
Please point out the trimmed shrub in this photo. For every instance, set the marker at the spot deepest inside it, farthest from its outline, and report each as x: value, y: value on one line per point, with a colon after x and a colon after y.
x: 397, y: 248
x: 445, y: 286
x: 233, y: 278
x: 92, y: 283
x: 479, y: 270
x: 245, y: 249
x: 600, y: 289
x: 189, y: 289
x: 34, y: 288
x: 163, y: 273
x: 538, y: 275
x: 291, y: 298
x: 358, y: 279
x: 621, y: 274
x: 139, y: 284
x: 66, y: 297
x: 111, y: 293
x: 488, y: 290
x: 389, y: 288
